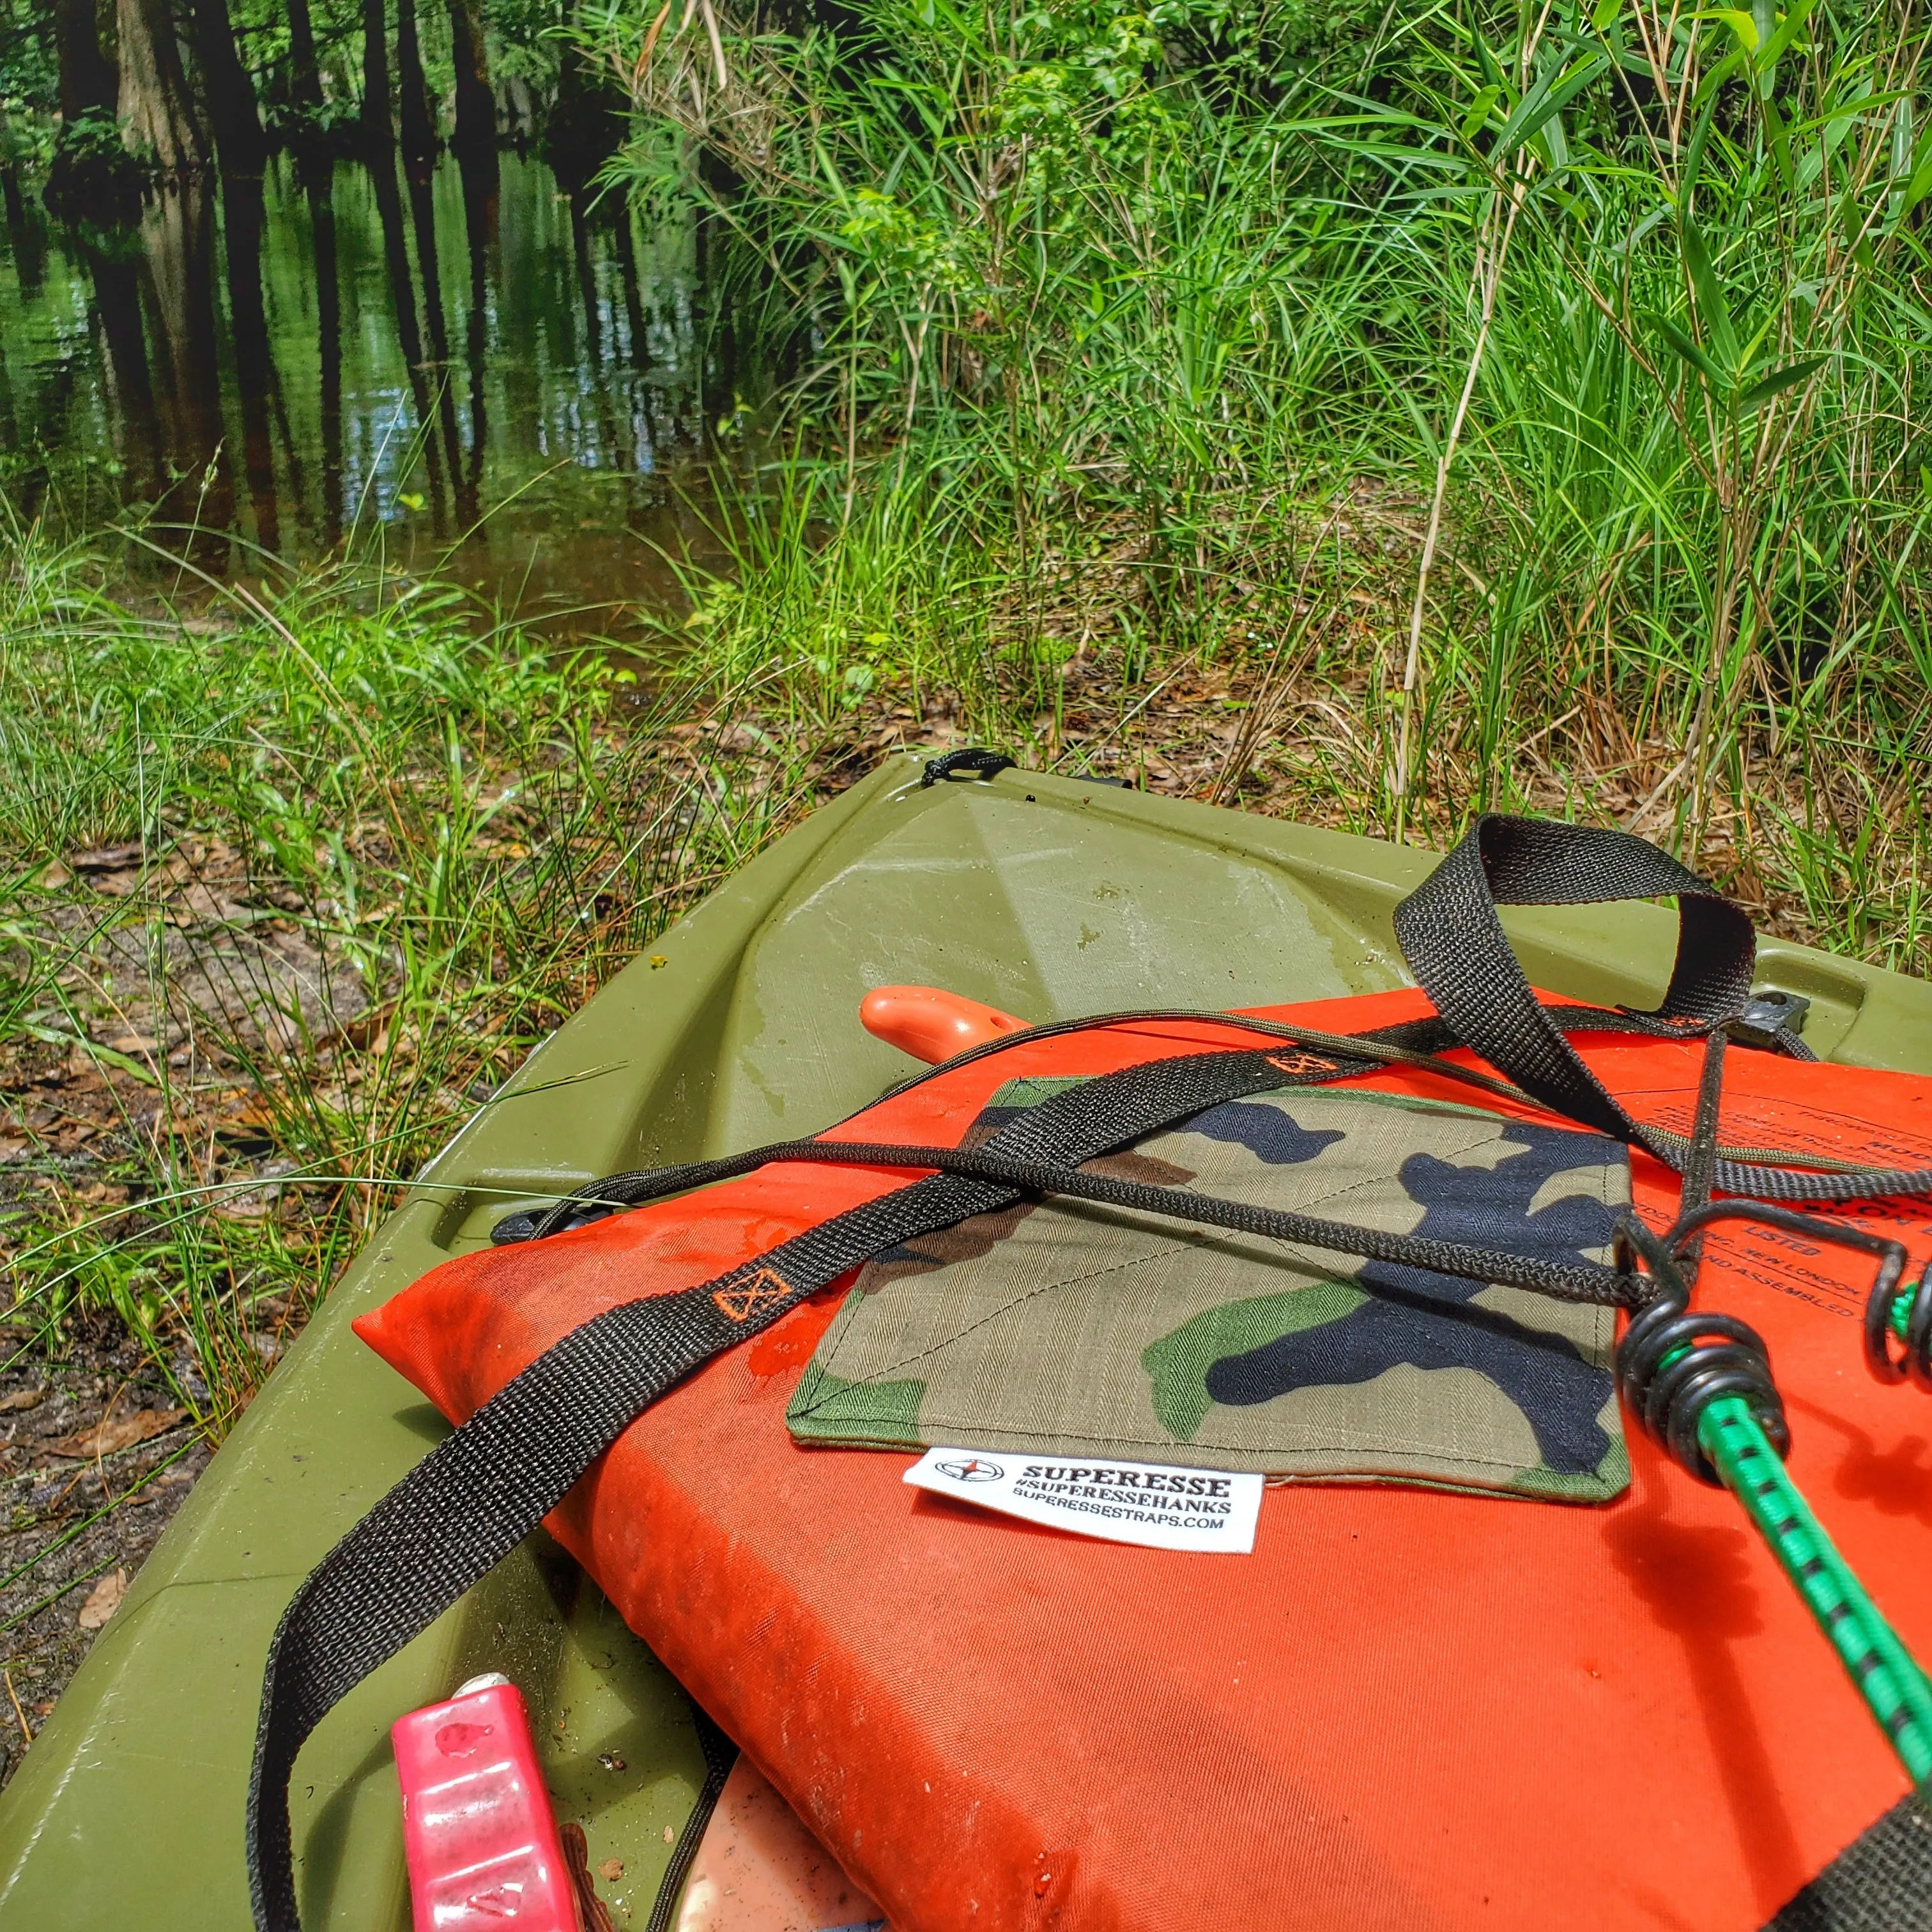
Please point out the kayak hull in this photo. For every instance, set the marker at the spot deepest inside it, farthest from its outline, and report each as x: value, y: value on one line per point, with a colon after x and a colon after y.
x: 1046, y: 897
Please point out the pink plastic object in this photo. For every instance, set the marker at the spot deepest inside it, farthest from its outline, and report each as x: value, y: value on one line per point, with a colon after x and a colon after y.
x: 759, y: 1870
x: 482, y: 1847
x: 931, y: 1024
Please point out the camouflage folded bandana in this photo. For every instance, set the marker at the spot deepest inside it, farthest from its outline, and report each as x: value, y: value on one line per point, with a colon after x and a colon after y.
x: 1067, y: 1327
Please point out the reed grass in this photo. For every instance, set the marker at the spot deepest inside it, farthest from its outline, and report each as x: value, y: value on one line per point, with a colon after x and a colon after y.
x: 293, y: 877
x: 1505, y: 407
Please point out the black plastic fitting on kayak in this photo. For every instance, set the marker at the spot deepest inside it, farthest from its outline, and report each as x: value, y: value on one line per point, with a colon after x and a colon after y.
x: 1771, y: 1018
x: 973, y: 762
x: 522, y: 1225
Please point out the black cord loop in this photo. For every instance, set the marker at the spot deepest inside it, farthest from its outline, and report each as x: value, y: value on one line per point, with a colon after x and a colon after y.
x: 1673, y: 1363
x: 1587, y: 1282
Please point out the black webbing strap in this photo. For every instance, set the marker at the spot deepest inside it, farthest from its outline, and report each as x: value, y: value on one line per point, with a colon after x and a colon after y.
x: 1451, y: 935
x: 1454, y: 942
x: 1881, y: 1881
x: 486, y: 1487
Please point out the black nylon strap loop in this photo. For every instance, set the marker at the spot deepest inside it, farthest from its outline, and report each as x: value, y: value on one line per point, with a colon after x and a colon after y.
x: 490, y: 1483
x: 486, y: 1487
x: 1456, y: 946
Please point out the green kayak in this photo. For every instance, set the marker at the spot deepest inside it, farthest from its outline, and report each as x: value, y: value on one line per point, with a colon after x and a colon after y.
x: 1048, y: 897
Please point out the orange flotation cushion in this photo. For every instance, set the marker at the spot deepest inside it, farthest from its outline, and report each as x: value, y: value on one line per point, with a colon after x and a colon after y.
x: 1406, y: 1709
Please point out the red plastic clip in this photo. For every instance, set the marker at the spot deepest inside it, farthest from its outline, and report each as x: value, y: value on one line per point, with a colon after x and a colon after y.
x: 478, y: 1830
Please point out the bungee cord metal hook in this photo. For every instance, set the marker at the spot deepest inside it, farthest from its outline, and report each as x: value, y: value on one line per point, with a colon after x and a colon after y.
x: 1699, y: 1384
x: 1903, y: 1316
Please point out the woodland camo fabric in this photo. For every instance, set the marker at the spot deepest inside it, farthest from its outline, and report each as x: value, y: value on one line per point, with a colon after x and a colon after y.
x: 1067, y: 1328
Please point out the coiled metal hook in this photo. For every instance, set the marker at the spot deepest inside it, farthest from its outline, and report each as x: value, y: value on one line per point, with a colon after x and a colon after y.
x: 1674, y: 1362
x: 1904, y: 1317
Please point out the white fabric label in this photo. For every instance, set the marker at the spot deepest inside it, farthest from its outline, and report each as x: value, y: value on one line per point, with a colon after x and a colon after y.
x: 1148, y: 1503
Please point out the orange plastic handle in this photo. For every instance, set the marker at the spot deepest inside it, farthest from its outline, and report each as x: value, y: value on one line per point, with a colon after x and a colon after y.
x: 931, y: 1024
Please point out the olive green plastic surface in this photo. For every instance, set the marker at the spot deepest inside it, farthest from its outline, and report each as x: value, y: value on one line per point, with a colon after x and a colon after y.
x: 1048, y: 897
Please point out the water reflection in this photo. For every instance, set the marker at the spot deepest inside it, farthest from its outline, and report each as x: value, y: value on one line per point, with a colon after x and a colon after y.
x: 463, y: 362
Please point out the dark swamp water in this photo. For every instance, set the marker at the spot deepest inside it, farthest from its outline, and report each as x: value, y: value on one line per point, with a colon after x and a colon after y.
x: 481, y: 374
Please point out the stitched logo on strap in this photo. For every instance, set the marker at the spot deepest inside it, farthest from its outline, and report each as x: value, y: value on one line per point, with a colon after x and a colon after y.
x: 738, y: 1302
x: 1300, y: 1062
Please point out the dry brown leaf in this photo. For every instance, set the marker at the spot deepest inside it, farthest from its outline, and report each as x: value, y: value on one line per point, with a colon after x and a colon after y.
x: 105, y: 859
x: 256, y: 1207
x: 119, y: 1431
x: 592, y: 1914
x: 22, y: 1398
x: 103, y: 1600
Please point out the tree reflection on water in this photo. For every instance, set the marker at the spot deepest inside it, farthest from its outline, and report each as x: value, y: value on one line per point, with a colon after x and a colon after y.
x: 461, y: 360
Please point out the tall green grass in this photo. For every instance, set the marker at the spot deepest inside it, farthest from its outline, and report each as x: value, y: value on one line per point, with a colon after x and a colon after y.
x: 455, y: 834
x: 1544, y: 382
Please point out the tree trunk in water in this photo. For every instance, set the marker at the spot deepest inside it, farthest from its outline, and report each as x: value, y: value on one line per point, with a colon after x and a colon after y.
x: 480, y: 188
x: 304, y: 80
x: 305, y: 134
x: 156, y: 111
x: 243, y: 218
x: 422, y: 209
x: 586, y: 119
x: 10, y: 197
x: 476, y: 99
x: 83, y: 180
x: 418, y: 129
x: 378, y: 127
x: 231, y: 95
x: 117, y: 314
x: 396, y: 253
x: 328, y: 331
x: 88, y: 81
x: 180, y: 239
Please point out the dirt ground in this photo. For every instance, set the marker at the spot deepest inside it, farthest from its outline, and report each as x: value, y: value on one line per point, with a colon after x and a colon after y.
x: 94, y: 1461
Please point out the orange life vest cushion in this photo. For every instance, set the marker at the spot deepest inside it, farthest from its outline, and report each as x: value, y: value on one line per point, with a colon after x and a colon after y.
x: 1405, y: 1709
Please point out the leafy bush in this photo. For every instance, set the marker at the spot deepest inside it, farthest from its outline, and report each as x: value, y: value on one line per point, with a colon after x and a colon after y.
x: 1606, y: 320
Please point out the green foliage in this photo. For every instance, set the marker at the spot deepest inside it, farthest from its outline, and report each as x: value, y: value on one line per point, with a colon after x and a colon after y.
x: 526, y: 41
x: 439, y: 822
x: 29, y: 78
x: 1044, y: 277
x: 92, y: 140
